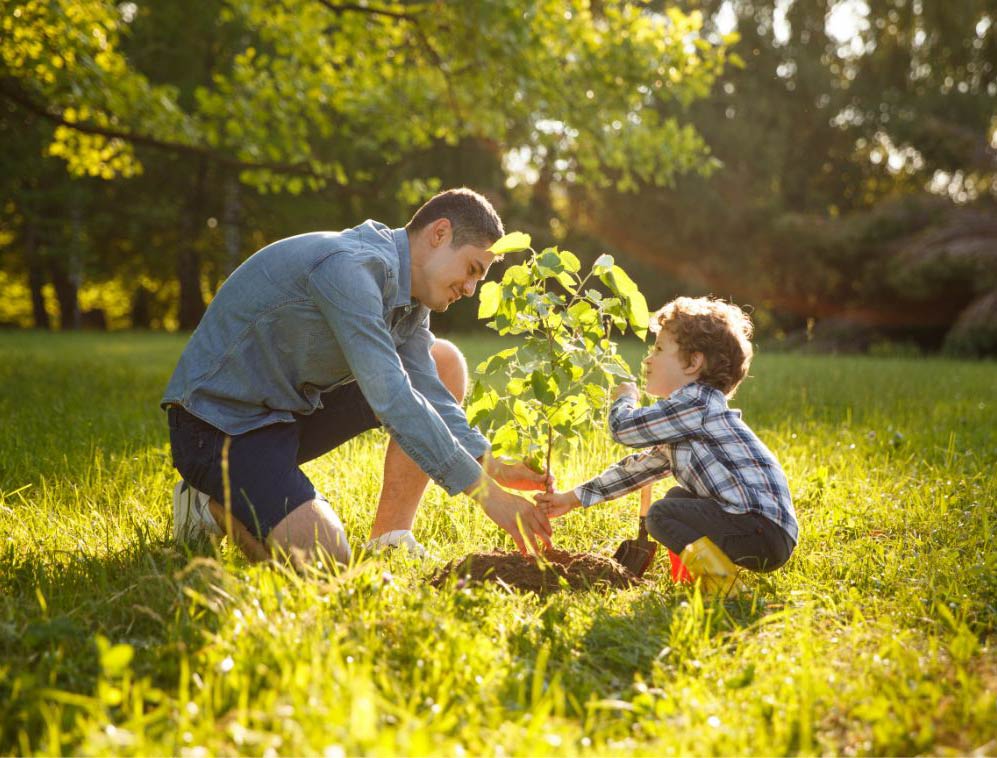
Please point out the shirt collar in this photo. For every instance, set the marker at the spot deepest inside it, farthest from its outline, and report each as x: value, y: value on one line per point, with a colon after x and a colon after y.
x: 712, y: 395
x: 404, y: 296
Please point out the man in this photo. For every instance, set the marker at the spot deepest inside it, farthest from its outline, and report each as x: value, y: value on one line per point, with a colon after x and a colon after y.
x: 315, y: 339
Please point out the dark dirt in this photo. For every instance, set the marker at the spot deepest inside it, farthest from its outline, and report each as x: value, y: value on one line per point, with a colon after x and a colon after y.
x: 578, y: 570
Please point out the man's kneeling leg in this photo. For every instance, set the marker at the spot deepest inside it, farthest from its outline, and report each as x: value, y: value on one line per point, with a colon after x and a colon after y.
x: 311, y: 529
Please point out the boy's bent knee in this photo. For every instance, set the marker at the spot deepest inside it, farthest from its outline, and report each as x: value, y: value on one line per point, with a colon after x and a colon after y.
x: 662, y: 524
x: 309, y: 530
x: 451, y: 366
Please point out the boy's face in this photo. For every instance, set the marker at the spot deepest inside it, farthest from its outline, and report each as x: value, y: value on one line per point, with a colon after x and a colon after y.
x: 666, y: 369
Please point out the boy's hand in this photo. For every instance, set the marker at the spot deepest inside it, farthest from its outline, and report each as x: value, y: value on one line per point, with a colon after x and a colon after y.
x: 555, y: 504
x: 626, y: 389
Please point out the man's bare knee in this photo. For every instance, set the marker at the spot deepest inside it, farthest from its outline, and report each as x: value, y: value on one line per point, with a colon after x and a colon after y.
x: 245, y: 540
x: 309, y: 530
x: 451, y: 366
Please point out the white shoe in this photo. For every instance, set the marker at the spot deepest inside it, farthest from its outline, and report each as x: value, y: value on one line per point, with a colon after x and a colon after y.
x: 191, y: 516
x: 398, y: 538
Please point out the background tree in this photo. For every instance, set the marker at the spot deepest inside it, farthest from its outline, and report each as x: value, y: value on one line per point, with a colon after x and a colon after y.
x: 311, y: 95
x: 859, y: 165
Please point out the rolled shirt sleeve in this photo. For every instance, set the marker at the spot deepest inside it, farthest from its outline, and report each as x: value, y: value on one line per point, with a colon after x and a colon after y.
x: 421, y: 369
x: 630, y: 474
x: 349, y: 294
x: 675, y: 418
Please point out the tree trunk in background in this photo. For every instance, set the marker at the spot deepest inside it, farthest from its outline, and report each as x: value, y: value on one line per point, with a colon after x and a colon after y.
x: 189, y: 260
x: 231, y: 219
x: 36, y: 277
x: 66, y: 293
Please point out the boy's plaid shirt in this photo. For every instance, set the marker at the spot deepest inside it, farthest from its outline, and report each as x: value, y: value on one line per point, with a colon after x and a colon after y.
x: 705, y: 445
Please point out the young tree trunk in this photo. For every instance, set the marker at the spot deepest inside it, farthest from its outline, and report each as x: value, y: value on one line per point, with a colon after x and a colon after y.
x: 189, y: 259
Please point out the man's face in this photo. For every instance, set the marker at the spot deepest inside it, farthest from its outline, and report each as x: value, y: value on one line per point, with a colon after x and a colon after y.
x: 454, y: 273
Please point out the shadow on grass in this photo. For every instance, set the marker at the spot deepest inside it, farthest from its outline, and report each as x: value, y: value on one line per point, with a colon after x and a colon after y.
x: 623, y: 644
x: 55, y: 606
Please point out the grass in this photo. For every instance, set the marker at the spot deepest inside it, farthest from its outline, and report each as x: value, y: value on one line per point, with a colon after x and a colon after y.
x: 877, y: 638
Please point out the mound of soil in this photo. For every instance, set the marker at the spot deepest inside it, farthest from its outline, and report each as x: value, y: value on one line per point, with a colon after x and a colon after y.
x: 578, y: 570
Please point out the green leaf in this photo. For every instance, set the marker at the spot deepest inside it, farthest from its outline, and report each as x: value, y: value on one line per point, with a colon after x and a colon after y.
x: 635, y: 310
x: 597, y: 395
x: 544, y: 387
x: 515, y: 386
x: 478, y: 410
x: 615, y: 370
x: 570, y: 262
x: 518, y: 274
x: 505, y: 439
x: 583, y: 313
x: 567, y: 281
x: 637, y: 314
x: 489, y: 299
x: 619, y: 281
x: 513, y: 242
x: 525, y: 416
x: 496, y: 362
x: 603, y: 264
x: 549, y: 263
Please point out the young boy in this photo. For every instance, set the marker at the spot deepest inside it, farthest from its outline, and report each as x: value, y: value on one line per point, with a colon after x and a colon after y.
x: 731, y: 491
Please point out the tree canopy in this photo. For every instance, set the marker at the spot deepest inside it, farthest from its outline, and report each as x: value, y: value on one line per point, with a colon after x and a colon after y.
x: 796, y: 154
x: 314, y: 95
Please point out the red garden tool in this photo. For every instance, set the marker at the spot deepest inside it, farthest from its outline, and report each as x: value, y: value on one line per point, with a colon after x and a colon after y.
x: 637, y: 555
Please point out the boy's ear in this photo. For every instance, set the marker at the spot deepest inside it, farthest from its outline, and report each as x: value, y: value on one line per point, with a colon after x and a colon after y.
x: 697, y: 362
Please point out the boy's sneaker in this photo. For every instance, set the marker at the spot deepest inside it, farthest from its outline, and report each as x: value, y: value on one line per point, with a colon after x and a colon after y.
x: 399, y: 538
x: 191, y: 516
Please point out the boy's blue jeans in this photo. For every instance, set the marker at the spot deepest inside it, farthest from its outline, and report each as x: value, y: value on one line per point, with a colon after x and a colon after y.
x: 748, y: 539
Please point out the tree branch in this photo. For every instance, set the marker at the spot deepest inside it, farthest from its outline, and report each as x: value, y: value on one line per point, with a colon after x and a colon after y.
x: 435, y: 58
x: 27, y: 103
x: 351, y: 7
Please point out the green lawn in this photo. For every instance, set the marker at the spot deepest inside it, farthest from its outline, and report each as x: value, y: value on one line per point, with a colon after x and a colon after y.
x: 878, y: 636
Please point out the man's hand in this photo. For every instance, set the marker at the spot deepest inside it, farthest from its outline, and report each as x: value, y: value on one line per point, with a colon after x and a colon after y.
x: 516, y: 475
x: 556, y: 504
x: 526, y: 524
x: 626, y: 389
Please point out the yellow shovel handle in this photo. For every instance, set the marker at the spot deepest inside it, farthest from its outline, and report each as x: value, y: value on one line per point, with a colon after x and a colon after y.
x: 645, y: 499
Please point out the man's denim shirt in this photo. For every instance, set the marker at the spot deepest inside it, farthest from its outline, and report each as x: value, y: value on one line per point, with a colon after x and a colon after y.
x: 311, y: 312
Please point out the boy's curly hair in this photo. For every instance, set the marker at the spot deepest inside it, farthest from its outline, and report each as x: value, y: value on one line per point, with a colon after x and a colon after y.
x: 720, y: 331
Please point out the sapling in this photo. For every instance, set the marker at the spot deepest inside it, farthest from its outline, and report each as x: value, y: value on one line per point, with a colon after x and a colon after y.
x: 541, y: 394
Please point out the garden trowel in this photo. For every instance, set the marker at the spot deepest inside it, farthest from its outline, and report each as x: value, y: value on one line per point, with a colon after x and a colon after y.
x: 636, y: 555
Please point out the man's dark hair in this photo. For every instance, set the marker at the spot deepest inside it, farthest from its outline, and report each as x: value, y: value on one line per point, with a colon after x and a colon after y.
x: 471, y: 216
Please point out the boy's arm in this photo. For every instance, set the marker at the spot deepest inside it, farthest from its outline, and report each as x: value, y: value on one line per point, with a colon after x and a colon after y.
x: 678, y: 417
x: 630, y: 474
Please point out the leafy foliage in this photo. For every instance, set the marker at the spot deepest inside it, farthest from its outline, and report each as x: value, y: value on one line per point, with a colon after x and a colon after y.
x: 543, y: 391
x: 829, y: 126
x: 307, y: 93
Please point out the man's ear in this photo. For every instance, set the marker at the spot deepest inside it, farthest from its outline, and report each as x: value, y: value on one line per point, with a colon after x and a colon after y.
x: 440, y: 231
x: 697, y: 362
